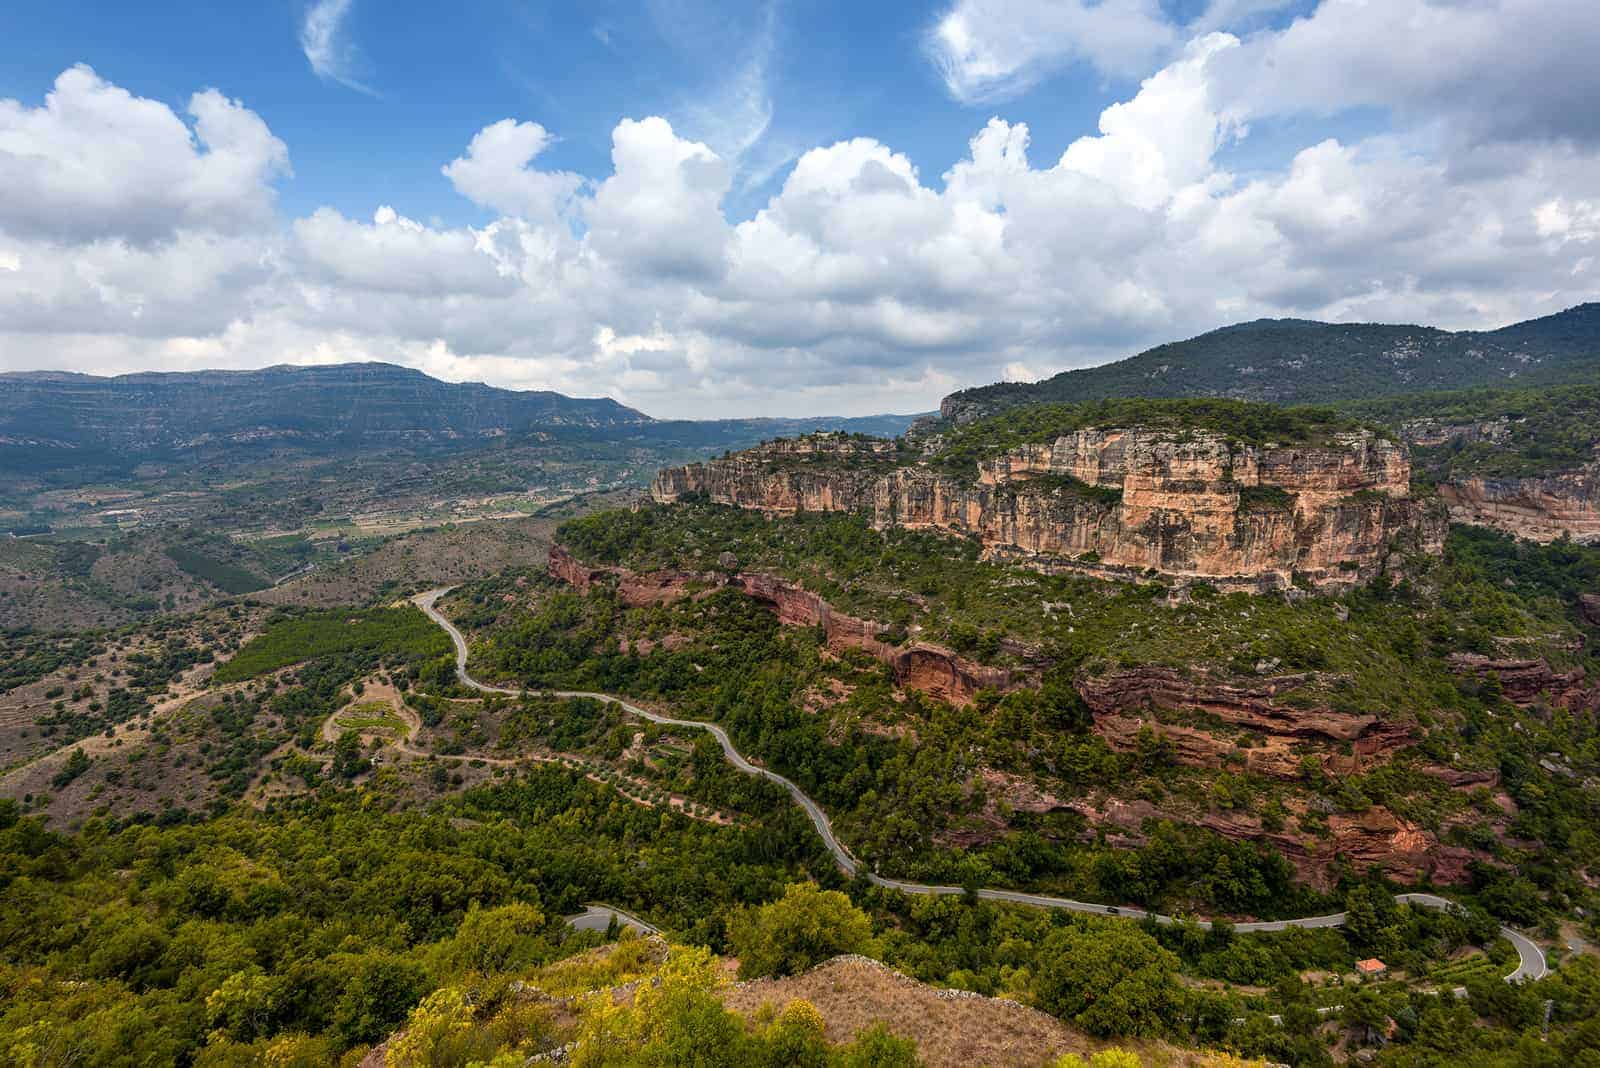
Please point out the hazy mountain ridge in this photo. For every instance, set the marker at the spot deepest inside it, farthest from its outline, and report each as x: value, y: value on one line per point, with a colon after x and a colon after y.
x: 51, y: 419
x: 1298, y: 361
x: 353, y: 402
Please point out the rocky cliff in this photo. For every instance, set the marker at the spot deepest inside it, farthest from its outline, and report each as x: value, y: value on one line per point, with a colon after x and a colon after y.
x: 1119, y: 502
x: 1539, y: 509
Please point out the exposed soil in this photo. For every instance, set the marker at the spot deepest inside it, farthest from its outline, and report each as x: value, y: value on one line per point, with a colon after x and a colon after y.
x: 953, y: 1028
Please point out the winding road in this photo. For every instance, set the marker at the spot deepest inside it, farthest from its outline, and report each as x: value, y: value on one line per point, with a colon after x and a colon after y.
x: 1531, y: 965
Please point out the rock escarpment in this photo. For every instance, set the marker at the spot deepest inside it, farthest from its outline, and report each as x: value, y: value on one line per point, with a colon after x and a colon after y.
x: 1540, y: 509
x: 923, y: 666
x: 1119, y: 502
x: 1526, y: 682
x: 1277, y: 736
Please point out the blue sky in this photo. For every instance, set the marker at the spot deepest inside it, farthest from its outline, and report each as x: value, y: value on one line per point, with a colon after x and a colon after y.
x: 793, y: 207
x: 439, y: 72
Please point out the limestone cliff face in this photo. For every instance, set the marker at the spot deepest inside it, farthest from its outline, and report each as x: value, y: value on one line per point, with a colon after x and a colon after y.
x: 1540, y: 509
x: 1118, y: 502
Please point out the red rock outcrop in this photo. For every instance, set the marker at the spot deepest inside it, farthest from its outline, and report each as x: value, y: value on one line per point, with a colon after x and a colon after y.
x: 1255, y: 705
x: 1539, y: 509
x: 1192, y: 505
x: 1198, y: 748
x: 1462, y: 778
x: 1525, y: 681
x: 922, y: 666
x: 1376, y: 838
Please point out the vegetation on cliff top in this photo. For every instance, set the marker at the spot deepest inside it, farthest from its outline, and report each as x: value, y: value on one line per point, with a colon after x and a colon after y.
x: 967, y: 445
x: 1545, y: 431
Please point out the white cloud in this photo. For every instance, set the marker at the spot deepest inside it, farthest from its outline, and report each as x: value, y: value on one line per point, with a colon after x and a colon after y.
x: 497, y: 172
x: 395, y: 254
x: 1515, y: 70
x: 659, y: 212
x: 96, y: 162
x: 1562, y: 220
x: 322, y: 39
x: 1165, y: 137
x: 990, y: 50
x: 862, y: 284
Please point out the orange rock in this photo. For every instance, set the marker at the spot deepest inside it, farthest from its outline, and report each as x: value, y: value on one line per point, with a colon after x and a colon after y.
x: 1182, y: 510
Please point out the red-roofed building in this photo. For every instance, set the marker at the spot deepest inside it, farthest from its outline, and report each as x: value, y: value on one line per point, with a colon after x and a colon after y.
x: 1372, y: 967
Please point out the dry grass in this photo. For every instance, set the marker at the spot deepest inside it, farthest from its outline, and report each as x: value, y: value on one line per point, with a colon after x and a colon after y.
x: 454, y: 555
x: 952, y: 1029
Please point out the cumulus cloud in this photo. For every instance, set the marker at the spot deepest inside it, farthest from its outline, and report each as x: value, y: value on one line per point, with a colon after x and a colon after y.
x: 497, y: 172
x: 394, y: 254
x: 1165, y: 137
x: 332, y: 56
x: 860, y: 284
x: 97, y: 162
x: 660, y: 213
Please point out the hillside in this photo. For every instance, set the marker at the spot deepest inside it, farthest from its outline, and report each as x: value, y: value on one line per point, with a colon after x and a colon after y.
x: 368, y: 403
x: 1296, y: 361
x: 55, y: 420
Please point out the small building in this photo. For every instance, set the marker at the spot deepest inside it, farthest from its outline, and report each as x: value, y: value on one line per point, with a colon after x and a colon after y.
x: 1372, y: 968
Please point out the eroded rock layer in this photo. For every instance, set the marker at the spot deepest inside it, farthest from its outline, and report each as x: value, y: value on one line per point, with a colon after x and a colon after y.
x: 1539, y: 509
x: 1191, y: 505
x: 922, y: 666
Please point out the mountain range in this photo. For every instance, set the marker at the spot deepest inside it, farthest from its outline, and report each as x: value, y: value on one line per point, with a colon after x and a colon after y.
x: 50, y: 419
x: 1298, y: 361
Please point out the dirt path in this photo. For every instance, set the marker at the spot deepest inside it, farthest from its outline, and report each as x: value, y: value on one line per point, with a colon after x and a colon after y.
x: 127, y: 733
x: 406, y: 745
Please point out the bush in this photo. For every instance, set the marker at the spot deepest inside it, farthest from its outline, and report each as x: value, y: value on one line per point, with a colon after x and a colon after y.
x: 798, y: 931
x: 1110, y: 979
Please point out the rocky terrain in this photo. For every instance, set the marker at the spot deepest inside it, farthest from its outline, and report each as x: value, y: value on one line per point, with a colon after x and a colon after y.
x: 1115, y: 501
x: 924, y: 666
x: 1540, y: 509
x: 1261, y: 726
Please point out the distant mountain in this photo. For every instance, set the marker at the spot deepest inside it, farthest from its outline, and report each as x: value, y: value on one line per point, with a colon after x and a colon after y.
x: 352, y: 404
x: 742, y: 433
x: 54, y: 420
x: 1297, y: 361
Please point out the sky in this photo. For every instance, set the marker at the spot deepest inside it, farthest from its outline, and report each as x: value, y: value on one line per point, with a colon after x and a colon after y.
x: 777, y: 207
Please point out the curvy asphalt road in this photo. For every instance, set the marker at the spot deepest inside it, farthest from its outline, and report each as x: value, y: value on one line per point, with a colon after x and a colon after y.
x: 1532, y: 963
x: 598, y: 918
